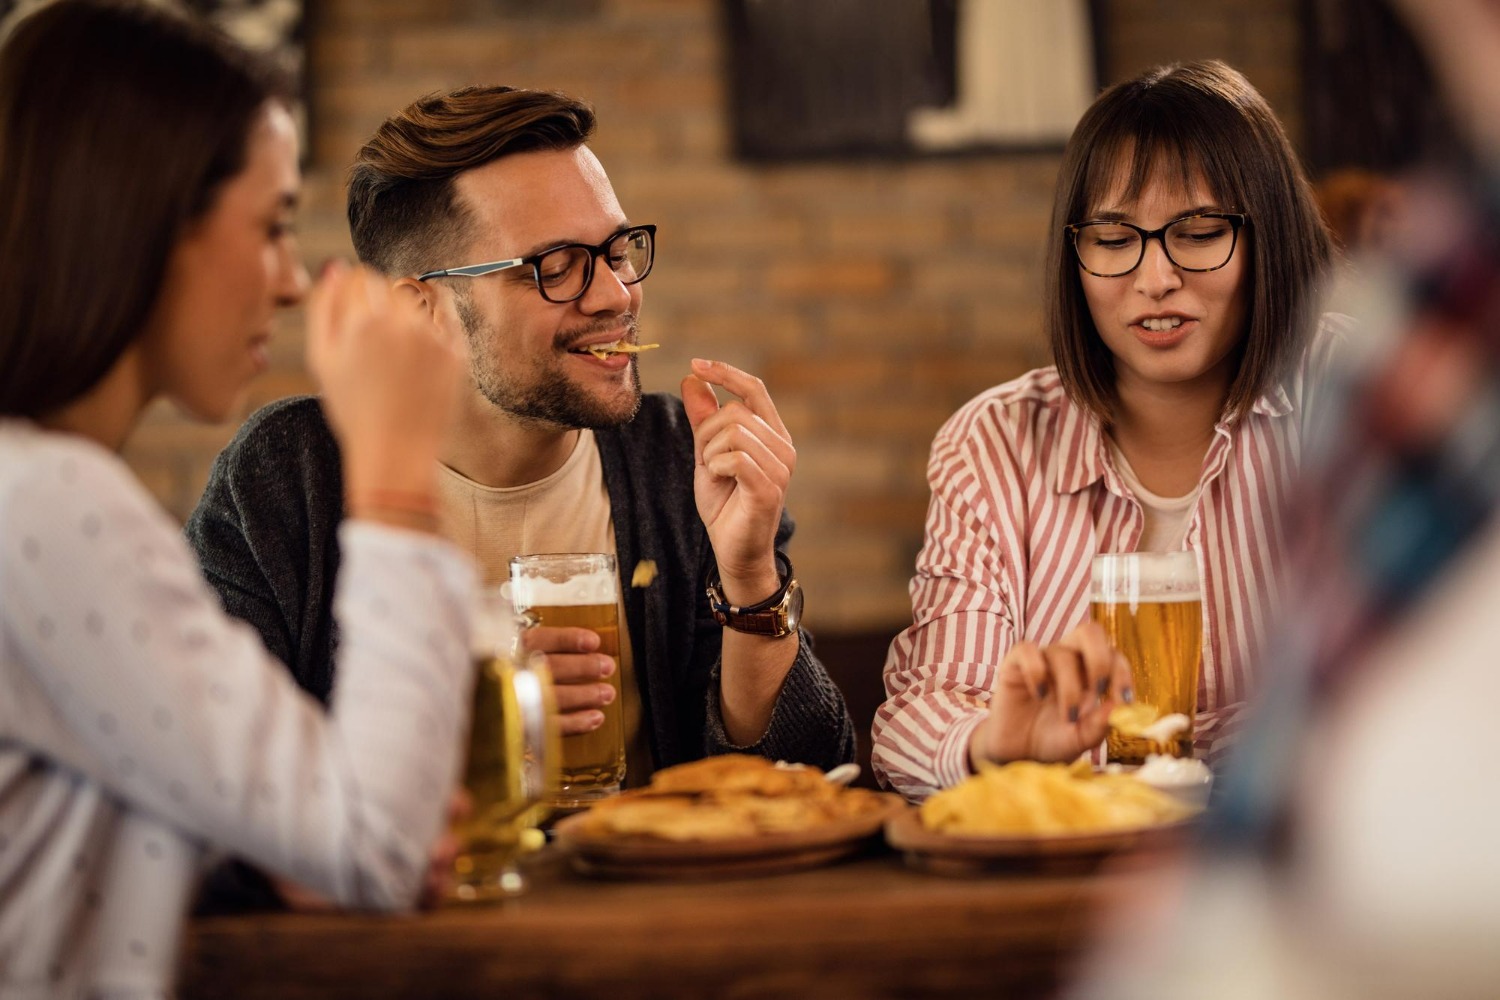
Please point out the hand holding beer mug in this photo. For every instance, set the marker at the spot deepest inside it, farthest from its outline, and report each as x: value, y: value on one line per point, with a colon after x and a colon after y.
x: 1151, y: 605
x: 510, y: 769
x: 572, y: 592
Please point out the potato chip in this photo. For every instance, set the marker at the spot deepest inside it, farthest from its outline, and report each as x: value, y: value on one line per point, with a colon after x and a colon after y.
x: 602, y: 351
x: 1146, y: 723
x: 645, y: 572
x: 1028, y: 798
x: 1132, y: 720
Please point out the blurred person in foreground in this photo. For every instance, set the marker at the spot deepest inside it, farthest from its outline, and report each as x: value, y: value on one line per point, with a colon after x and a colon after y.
x: 1184, y: 260
x: 145, y: 249
x: 487, y: 205
x: 1360, y: 207
x: 1352, y: 854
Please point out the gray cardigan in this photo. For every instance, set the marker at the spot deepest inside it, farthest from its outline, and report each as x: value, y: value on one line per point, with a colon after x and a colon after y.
x: 266, y: 533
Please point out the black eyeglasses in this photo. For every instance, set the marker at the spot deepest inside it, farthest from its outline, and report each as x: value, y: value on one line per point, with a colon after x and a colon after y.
x: 564, y: 273
x: 1194, y: 243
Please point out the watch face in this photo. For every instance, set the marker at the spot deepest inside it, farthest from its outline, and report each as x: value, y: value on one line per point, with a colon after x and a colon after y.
x: 794, y: 606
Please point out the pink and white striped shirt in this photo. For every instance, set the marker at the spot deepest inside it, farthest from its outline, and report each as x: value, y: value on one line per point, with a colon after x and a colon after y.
x: 1024, y: 494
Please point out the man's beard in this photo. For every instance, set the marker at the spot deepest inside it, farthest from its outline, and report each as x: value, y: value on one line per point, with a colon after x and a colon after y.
x: 545, y: 394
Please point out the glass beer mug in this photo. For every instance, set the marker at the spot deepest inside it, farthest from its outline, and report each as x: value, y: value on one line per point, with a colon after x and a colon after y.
x: 512, y: 759
x: 1151, y: 605
x: 580, y: 590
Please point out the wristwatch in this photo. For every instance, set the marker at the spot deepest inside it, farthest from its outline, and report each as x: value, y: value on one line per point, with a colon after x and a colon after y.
x: 776, y: 617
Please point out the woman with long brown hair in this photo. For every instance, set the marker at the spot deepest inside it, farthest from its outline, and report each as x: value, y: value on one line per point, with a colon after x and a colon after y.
x: 148, y: 179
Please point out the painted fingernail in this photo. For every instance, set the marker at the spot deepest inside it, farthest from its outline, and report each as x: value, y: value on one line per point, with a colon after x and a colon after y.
x: 1102, y: 686
x: 1041, y: 690
x: 1128, y: 695
x: 1073, y: 714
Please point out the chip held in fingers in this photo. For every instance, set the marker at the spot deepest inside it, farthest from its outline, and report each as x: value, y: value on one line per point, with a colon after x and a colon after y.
x: 1146, y: 722
x: 602, y: 351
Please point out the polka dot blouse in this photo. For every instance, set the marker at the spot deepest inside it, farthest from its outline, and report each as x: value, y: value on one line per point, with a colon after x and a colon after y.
x: 142, y: 731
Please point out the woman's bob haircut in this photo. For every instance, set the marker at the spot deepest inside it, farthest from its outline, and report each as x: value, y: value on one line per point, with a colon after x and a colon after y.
x: 1175, y: 124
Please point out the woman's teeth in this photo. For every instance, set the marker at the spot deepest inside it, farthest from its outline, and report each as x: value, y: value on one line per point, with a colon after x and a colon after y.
x: 1165, y: 323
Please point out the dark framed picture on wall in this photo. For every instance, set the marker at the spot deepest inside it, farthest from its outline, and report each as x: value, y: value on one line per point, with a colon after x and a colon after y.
x: 840, y: 79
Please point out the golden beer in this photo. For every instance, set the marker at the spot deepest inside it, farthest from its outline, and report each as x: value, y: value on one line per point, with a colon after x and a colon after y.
x: 580, y: 591
x: 1152, y: 609
x: 511, y: 758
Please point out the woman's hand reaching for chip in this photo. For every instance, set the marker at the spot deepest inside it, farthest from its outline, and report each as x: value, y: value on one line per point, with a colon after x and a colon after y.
x: 1052, y: 703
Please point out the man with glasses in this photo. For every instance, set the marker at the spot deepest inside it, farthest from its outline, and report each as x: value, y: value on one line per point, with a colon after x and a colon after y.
x: 488, y: 206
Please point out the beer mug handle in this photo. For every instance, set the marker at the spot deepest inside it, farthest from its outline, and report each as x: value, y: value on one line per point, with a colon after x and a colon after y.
x: 538, y: 765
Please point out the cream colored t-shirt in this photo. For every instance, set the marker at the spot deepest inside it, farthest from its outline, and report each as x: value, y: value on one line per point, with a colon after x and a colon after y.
x: 568, y: 511
x: 1166, y: 517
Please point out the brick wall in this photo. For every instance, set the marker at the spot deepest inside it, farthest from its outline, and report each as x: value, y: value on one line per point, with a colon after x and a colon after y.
x: 893, y: 293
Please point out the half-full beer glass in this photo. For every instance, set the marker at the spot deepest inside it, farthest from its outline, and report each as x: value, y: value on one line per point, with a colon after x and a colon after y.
x: 511, y: 765
x: 1151, y: 605
x: 579, y: 590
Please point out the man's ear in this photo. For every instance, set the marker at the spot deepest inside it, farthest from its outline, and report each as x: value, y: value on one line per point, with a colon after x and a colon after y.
x: 428, y: 294
x: 437, y: 304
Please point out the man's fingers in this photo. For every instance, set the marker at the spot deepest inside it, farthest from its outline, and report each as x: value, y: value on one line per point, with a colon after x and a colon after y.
x: 744, y: 385
x: 578, y: 723
x: 699, y: 401
x: 582, y: 697
x: 736, y: 440
x: 736, y: 423
x: 552, y: 639
x: 568, y: 669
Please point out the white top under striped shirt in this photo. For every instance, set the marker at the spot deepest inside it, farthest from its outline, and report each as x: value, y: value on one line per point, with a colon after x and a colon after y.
x: 1024, y: 494
x: 1164, y: 520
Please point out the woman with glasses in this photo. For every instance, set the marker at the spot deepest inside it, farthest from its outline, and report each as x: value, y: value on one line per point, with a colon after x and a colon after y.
x: 1183, y: 265
x: 145, y: 250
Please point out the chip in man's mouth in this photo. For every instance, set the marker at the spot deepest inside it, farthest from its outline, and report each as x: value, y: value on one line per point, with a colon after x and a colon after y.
x: 602, y: 351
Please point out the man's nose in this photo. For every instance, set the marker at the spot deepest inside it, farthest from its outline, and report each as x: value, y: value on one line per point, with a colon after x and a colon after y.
x: 606, y: 292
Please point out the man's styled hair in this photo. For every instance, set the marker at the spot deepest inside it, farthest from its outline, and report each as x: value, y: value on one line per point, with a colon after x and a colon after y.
x: 403, y: 214
x: 1172, y: 123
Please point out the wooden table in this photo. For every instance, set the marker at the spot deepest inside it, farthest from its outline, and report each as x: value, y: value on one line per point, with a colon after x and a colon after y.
x: 865, y: 927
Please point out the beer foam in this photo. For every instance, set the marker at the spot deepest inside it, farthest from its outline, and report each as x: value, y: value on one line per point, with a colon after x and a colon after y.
x: 1163, y: 577
x: 598, y: 587
x: 1120, y: 596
